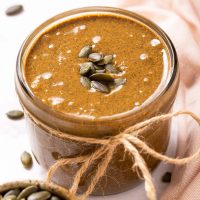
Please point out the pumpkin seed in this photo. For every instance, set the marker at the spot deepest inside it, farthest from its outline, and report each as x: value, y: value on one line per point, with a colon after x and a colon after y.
x: 26, y: 159
x: 100, y: 71
x: 85, y: 51
x: 166, y: 178
x: 95, y: 57
x: 55, y: 198
x: 27, y: 191
x: 100, y: 87
x: 15, y: 114
x: 12, y: 192
x: 85, y: 82
x: 10, y: 197
x: 42, y: 195
x: 106, y: 60
x: 111, y: 69
x: 85, y: 67
x: 93, y: 70
x: 102, y: 77
x: 14, y: 10
x: 97, y: 67
x: 119, y: 81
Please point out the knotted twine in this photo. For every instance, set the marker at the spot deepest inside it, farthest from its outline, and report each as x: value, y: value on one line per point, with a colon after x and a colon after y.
x: 131, y: 143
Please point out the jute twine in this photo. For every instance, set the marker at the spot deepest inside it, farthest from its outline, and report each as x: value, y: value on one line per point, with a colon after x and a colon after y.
x: 132, y: 144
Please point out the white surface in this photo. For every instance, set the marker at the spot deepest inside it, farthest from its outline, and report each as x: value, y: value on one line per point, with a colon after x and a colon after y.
x: 13, y: 138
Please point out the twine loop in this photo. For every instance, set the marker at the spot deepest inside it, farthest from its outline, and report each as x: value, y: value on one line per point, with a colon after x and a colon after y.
x: 131, y: 143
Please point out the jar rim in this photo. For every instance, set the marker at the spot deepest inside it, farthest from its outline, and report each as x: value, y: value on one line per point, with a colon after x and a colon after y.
x: 173, y: 62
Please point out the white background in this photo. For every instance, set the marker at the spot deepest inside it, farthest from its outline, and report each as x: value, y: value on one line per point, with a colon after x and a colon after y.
x: 13, y: 138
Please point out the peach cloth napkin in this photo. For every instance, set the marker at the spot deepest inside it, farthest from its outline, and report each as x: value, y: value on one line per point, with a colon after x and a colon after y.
x: 180, y: 19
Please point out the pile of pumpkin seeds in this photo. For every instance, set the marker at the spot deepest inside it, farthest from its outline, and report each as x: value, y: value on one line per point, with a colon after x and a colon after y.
x: 99, y: 71
x: 29, y: 193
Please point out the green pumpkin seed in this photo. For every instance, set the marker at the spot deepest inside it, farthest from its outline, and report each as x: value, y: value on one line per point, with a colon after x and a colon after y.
x: 85, y: 51
x: 95, y: 57
x: 106, y: 60
x: 111, y: 69
x: 93, y: 70
x: 119, y: 81
x: 10, y: 197
x: 42, y: 195
x: 101, y: 71
x: 15, y: 114
x: 26, y: 159
x: 85, y: 67
x: 85, y: 82
x: 102, y: 77
x: 166, y: 178
x: 27, y: 191
x: 100, y: 87
x: 55, y: 198
x: 14, y: 192
x: 97, y: 67
x: 14, y: 10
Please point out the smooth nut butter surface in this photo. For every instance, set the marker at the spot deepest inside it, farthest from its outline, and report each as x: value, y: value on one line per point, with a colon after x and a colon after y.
x: 52, y: 65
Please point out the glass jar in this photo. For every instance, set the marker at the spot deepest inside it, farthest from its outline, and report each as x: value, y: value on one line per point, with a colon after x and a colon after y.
x: 47, y: 148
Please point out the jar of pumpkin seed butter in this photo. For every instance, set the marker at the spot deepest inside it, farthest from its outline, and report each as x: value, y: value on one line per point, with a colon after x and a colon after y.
x: 40, y: 117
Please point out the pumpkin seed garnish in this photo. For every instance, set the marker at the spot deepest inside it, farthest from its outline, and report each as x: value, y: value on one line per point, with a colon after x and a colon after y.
x: 55, y: 198
x: 102, y: 77
x: 86, y: 82
x: 99, y: 73
x: 100, y: 87
x: 42, y: 195
x: 14, y: 192
x: 26, y: 159
x: 111, y: 69
x: 27, y: 191
x: 97, y: 67
x: 106, y: 60
x: 93, y: 69
x: 85, y: 67
x: 95, y: 57
x: 10, y: 197
x: 166, y: 178
x: 85, y: 51
x: 15, y: 114
x: 120, y: 81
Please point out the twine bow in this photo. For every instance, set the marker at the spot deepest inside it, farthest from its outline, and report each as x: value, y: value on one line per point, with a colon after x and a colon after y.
x: 129, y: 139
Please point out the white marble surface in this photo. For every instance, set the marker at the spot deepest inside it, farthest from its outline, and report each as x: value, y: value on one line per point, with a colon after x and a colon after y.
x: 13, y: 137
